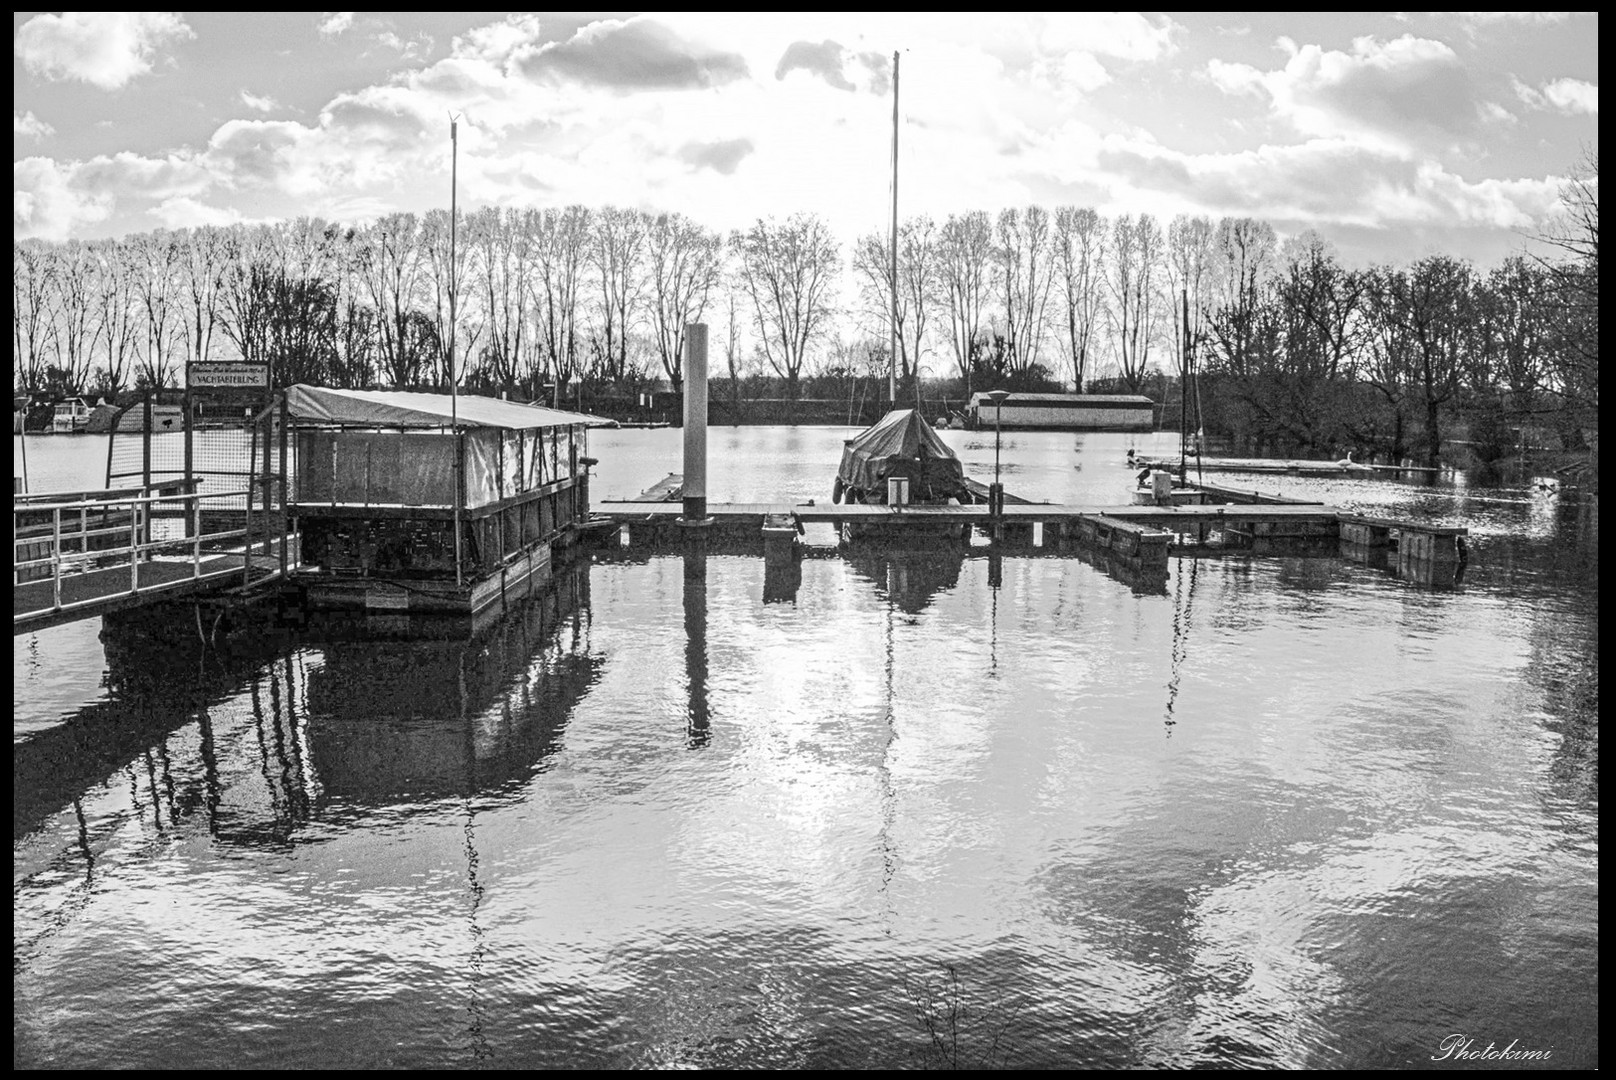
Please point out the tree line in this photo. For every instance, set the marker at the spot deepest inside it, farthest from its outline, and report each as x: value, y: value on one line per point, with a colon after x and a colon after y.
x: 1293, y: 347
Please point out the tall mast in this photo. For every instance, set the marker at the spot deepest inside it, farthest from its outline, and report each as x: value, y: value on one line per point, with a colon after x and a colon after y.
x: 454, y: 394
x: 892, y: 370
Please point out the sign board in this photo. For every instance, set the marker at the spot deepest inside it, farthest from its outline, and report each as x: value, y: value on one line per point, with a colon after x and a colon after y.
x: 218, y: 375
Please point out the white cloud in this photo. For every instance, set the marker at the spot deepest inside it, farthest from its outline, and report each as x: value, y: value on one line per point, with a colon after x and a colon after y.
x: 1573, y: 96
x: 257, y: 103
x: 1409, y: 94
x: 29, y: 126
x: 1328, y: 182
x: 1564, y: 95
x: 183, y: 212
x: 45, y: 204
x: 336, y: 22
x: 103, y: 48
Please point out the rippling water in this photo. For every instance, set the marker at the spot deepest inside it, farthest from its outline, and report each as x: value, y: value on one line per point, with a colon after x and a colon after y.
x: 1285, y: 812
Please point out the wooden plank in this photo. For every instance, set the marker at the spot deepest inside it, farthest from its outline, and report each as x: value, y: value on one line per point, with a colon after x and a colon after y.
x: 1406, y: 526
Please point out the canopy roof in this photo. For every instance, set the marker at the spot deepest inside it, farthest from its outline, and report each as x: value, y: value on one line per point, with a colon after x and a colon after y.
x: 396, y: 408
x: 899, y: 444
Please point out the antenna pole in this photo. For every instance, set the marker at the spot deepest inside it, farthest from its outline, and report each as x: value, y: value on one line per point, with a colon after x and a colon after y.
x: 892, y: 369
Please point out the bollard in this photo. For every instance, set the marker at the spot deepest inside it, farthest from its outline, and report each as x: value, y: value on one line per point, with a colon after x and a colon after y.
x: 1161, y: 486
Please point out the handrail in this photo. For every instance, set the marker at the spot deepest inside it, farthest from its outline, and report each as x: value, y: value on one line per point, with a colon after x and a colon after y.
x: 128, y: 500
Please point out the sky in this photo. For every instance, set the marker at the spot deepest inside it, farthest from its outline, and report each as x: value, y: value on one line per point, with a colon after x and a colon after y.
x: 1395, y: 136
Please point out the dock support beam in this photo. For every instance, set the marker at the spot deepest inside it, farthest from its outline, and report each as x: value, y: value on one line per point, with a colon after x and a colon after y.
x: 695, y: 476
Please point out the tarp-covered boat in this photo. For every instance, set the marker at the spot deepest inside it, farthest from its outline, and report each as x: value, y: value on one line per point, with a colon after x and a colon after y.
x: 900, y: 444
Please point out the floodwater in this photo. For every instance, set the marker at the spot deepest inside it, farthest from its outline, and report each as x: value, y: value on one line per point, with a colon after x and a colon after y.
x: 933, y: 810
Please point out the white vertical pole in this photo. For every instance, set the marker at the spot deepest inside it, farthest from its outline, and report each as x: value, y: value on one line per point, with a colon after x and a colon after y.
x: 695, y: 490
x: 454, y: 390
x: 892, y: 370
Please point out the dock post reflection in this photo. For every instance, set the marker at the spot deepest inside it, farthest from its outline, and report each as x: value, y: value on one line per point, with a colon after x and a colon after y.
x: 695, y: 600
x: 782, y: 565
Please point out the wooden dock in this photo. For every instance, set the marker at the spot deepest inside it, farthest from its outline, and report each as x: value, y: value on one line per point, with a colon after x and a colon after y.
x: 1282, y: 467
x: 1138, y: 538
x: 83, y: 554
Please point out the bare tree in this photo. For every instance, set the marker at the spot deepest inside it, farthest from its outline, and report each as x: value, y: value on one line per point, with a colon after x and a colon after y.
x: 1079, y: 255
x: 562, y: 239
x: 789, y: 271
x: 1243, y: 254
x: 504, y: 263
x: 116, y: 311
x: 390, y: 266
x: 1026, y: 276
x: 917, y: 287
x: 1136, y: 259
x: 1187, y: 270
x: 73, y: 314
x: 686, y: 262
x: 156, y: 260
x: 33, y: 267
x: 442, y: 280
x: 617, y: 254
x: 965, y: 275
x: 202, y: 272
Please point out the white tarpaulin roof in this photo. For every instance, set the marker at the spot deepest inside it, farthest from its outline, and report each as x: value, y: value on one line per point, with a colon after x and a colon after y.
x: 397, y: 408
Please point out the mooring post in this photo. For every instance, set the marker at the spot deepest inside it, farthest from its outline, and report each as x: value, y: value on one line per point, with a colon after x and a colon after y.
x: 695, y: 485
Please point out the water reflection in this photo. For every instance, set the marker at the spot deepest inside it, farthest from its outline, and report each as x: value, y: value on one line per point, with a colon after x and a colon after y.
x: 426, y: 720
x: 698, y: 720
x: 911, y: 580
x: 153, y: 687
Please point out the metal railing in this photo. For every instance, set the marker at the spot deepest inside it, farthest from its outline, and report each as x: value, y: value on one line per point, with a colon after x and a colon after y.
x: 85, y: 533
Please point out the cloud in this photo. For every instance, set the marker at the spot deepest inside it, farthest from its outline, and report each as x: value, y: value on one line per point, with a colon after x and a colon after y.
x: 1407, y: 93
x: 103, y: 48
x: 722, y: 156
x: 639, y: 54
x: 29, y: 126
x: 1573, y: 96
x: 1330, y: 182
x: 411, y: 49
x: 823, y: 60
x: 259, y: 104
x: 183, y: 212
x: 335, y: 22
x: 45, y: 205
x: 247, y: 152
x: 1569, y: 96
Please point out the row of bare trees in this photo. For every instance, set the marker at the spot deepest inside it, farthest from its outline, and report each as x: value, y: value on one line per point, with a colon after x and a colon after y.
x: 1025, y: 298
x: 551, y: 295
x: 545, y: 297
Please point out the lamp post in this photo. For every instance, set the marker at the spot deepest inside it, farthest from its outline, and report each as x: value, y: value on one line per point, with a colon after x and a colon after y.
x: 996, y: 492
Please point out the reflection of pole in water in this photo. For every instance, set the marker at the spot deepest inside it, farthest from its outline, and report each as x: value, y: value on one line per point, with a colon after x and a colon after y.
x: 474, y: 972
x: 213, y: 793
x: 995, y: 579
x: 697, y: 720
x: 889, y: 855
x: 1182, y: 600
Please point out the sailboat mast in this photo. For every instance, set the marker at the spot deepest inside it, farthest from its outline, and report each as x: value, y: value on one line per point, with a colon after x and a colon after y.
x: 892, y: 370
x: 454, y: 396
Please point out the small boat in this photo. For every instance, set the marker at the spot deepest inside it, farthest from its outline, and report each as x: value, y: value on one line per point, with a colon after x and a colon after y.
x: 70, y: 416
x: 900, y: 460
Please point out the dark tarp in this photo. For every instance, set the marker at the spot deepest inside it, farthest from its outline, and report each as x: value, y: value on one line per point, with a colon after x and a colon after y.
x: 901, y: 444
